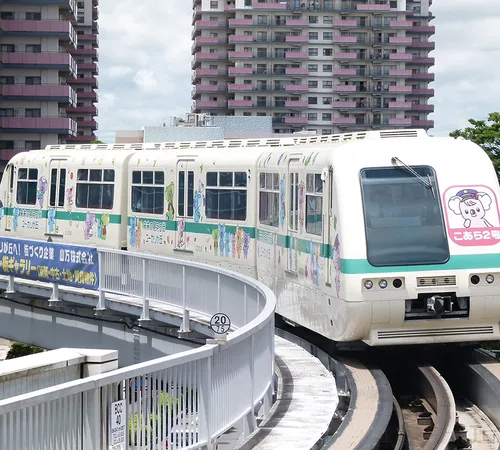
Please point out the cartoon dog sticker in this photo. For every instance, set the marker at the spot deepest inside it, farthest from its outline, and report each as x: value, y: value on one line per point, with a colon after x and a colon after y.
x: 472, y: 206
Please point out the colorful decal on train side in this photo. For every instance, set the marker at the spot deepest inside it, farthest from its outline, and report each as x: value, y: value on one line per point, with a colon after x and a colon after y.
x: 472, y: 215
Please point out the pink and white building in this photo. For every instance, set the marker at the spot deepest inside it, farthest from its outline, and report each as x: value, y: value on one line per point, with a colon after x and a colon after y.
x: 323, y: 65
x: 48, y: 69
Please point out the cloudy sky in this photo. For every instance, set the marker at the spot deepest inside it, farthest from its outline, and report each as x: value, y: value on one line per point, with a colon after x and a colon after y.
x: 145, y: 63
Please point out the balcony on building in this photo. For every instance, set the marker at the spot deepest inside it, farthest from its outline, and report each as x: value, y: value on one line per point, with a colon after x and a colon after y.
x: 422, y: 61
x: 344, y: 88
x: 296, y: 104
x: 400, y: 122
x: 399, y: 105
x: 56, y: 125
x: 61, y: 28
x: 344, y: 56
x: 296, y: 88
x: 422, y: 44
x: 87, y: 124
x: 86, y: 81
x: 400, y: 40
x: 400, y: 56
x: 425, y: 29
x: 344, y: 121
x: 233, y: 23
x: 207, y: 73
x: 204, y: 104
x: 240, y: 71
x: 370, y: 7
x: 422, y: 123
x: 43, y: 60
x: 422, y: 92
x: 239, y: 104
x: 89, y: 66
x: 85, y: 52
x: 207, y: 89
x: 402, y: 24
x: 95, y: 13
x: 81, y: 139
x: 397, y: 89
x: 93, y: 38
x: 344, y: 39
x: 297, y: 39
x: 296, y: 23
x: 422, y: 76
x: 235, y: 87
x: 345, y: 24
x: 82, y: 110
x: 340, y: 105
x: 343, y: 72
x: 423, y: 108
x: 207, y: 24
x: 296, y: 120
x: 271, y: 6
x: 88, y: 95
x: 206, y: 40
x: 38, y: 92
x: 297, y: 56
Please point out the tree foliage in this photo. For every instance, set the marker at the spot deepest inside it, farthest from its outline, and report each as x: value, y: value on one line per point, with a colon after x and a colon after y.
x: 485, y: 133
x: 97, y: 142
x: 18, y: 349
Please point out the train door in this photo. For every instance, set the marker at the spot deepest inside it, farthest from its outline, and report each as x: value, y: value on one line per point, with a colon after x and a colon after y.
x: 9, y: 173
x: 56, y: 195
x: 185, y: 202
x: 293, y: 214
x: 328, y: 224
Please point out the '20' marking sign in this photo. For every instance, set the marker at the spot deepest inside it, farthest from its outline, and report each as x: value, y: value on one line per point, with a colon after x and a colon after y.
x: 220, y: 323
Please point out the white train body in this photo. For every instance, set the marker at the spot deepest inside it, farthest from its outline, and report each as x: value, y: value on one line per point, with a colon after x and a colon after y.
x: 386, y: 237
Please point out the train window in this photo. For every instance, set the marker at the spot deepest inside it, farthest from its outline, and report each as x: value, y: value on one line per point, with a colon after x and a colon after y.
x: 226, y: 196
x: 27, y: 181
x: 403, y: 217
x: 95, y: 188
x: 314, y: 204
x: 148, y: 192
x: 57, y: 181
x: 269, y: 193
x: 185, y: 196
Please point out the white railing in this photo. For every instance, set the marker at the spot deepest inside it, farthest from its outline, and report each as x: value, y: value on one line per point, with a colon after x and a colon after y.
x: 187, y: 399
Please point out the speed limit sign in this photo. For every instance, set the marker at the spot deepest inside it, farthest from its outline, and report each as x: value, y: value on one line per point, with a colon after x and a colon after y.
x: 220, y: 323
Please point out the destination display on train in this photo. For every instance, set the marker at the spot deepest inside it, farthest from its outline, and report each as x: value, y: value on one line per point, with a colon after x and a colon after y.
x: 69, y: 265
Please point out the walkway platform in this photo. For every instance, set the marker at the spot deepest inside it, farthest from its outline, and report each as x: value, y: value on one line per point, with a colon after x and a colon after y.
x: 305, y: 404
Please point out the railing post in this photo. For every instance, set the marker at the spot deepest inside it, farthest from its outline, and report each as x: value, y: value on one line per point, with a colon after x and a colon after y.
x: 185, y: 328
x: 218, y: 292
x: 250, y: 423
x: 145, y: 300
x: 10, y: 287
x: 206, y: 401
x: 101, y: 304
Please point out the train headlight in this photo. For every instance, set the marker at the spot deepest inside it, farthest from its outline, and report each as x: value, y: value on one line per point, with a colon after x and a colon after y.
x: 368, y: 284
x: 490, y: 279
x: 382, y: 284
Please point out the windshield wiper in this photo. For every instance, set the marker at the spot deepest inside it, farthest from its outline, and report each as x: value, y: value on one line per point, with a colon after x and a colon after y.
x: 427, y: 183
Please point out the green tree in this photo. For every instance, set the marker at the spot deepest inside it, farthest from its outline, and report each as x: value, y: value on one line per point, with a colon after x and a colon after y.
x: 18, y: 349
x: 97, y: 142
x: 485, y: 133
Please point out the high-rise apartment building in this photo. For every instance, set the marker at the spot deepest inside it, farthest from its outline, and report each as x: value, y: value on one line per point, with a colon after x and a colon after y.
x: 324, y: 65
x: 48, y: 68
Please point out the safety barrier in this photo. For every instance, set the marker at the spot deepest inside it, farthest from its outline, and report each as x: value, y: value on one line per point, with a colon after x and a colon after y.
x: 187, y: 399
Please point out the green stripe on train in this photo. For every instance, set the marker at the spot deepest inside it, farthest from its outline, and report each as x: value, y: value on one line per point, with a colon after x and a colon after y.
x: 456, y: 262
x: 65, y: 215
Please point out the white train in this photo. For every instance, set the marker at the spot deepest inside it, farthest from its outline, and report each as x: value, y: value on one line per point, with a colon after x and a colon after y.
x: 386, y: 237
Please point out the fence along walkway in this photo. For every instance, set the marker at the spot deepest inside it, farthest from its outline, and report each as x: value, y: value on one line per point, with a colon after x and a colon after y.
x: 187, y: 399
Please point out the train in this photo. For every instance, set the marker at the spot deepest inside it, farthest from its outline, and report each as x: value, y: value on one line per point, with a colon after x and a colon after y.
x: 381, y: 237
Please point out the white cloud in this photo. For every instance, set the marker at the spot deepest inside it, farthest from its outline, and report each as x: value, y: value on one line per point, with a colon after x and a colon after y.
x: 145, y: 63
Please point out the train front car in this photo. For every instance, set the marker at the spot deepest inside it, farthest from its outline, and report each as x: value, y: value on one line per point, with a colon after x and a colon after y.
x: 420, y: 236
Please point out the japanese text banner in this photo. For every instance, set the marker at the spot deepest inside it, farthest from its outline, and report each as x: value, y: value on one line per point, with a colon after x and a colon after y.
x: 67, y: 265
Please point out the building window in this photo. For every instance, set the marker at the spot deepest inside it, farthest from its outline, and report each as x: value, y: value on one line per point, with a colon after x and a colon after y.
x: 327, y: 67
x: 312, y: 100
x: 313, y: 19
x: 148, y: 192
x: 214, y: 4
x: 326, y: 117
x: 33, y: 80
x: 33, y: 16
x: 313, y: 35
x: 33, y: 48
x: 328, y: 20
x: 226, y: 195
x: 327, y: 84
x: 312, y: 67
x: 313, y: 52
x: 95, y: 188
x: 269, y: 199
x: 312, y: 117
x: 33, y: 112
x: 312, y: 84
x: 7, y: 15
x: 7, y: 80
x: 26, y: 186
x: 32, y: 145
x: 327, y: 36
x: 327, y: 52
x: 7, y: 48
x: 294, y: 202
x: 314, y: 204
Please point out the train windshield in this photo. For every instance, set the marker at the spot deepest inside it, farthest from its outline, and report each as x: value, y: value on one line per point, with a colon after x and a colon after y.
x: 403, y: 217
